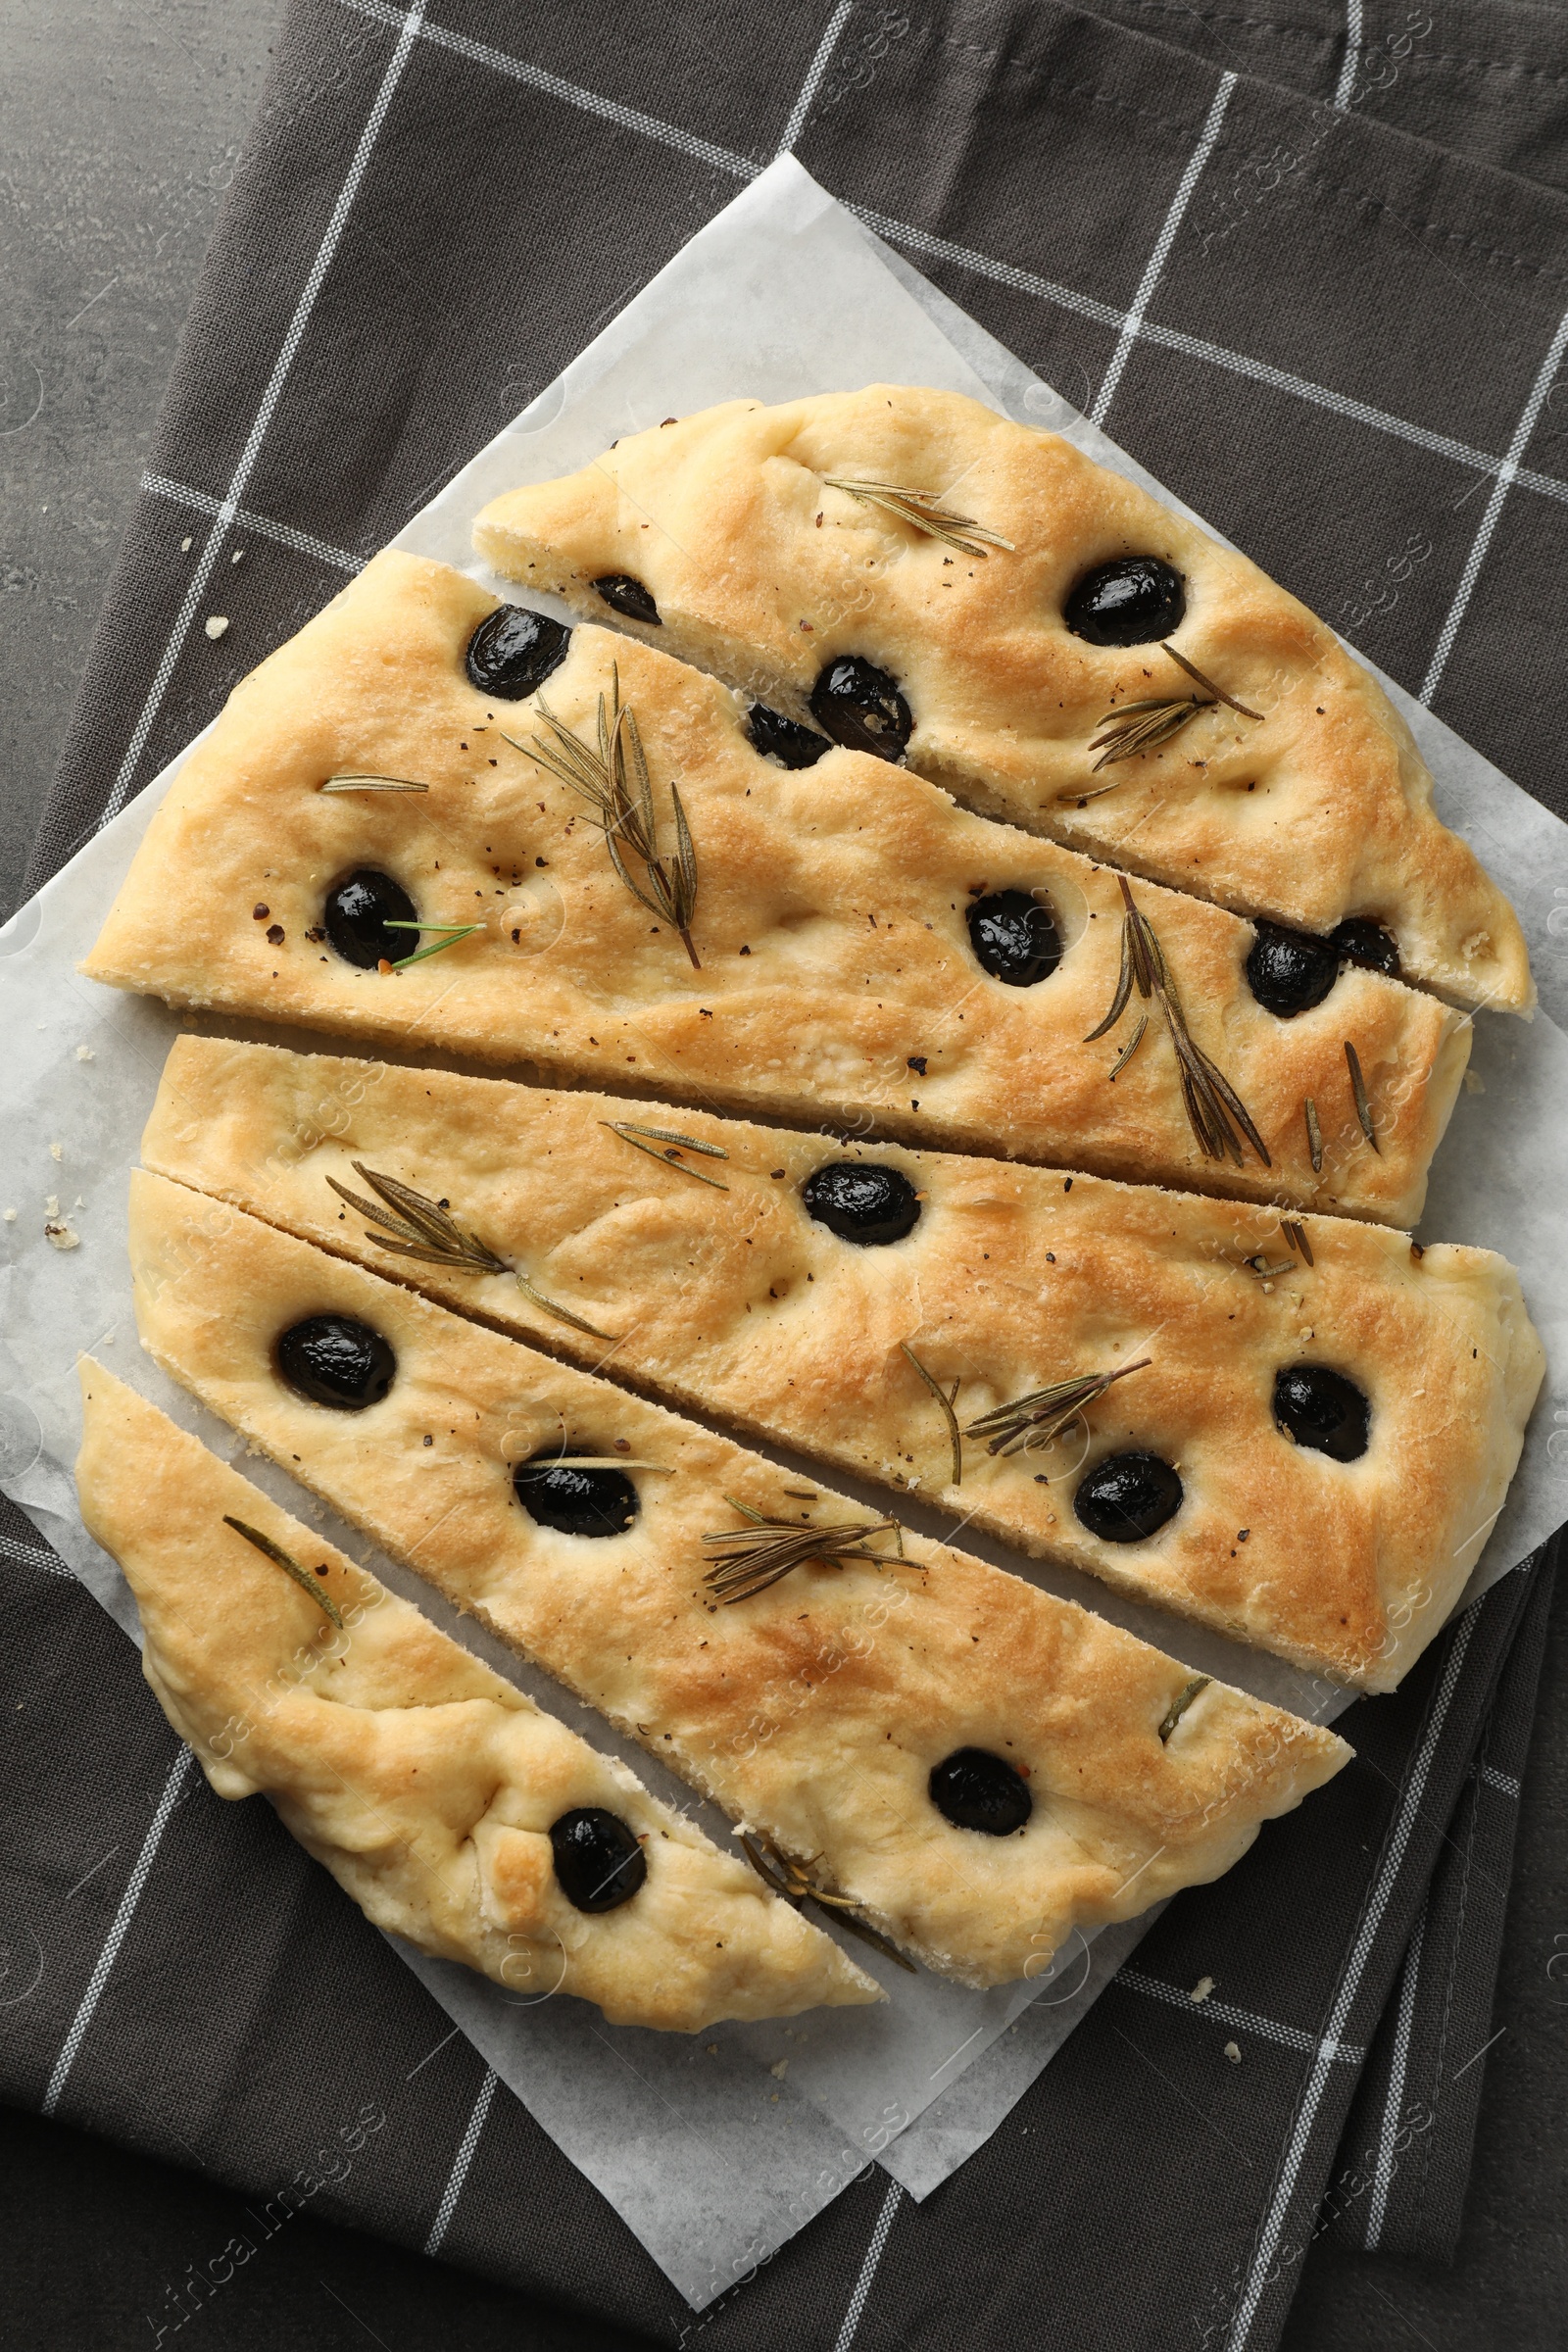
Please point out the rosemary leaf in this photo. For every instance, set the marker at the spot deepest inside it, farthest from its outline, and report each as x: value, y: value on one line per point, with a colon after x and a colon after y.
x: 563, y: 1314
x: 1135, y: 727
x: 454, y: 931
x: 1207, y: 684
x: 1294, y: 1233
x: 1363, y: 1109
x: 670, y: 1159
x: 788, y: 1879
x: 1180, y: 1705
x: 302, y: 1576
x: 612, y: 777
x: 946, y: 1403
x: 1218, y: 1118
x: 414, y: 1227
x: 1129, y: 1049
x: 920, y: 510
x: 1314, y: 1136
x: 749, y: 1560
x: 1045, y: 1413
x: 346, y: 783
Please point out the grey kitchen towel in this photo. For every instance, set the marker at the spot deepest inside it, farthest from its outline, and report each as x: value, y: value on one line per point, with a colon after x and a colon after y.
x: 1346, y: 358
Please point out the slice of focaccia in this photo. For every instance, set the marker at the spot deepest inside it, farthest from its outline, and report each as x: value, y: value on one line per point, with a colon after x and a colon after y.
x: 1311, y: 1453
x: 869, y: 953
x: 823, y: 557
x: 453, y: 1811
x: 976, y: 1765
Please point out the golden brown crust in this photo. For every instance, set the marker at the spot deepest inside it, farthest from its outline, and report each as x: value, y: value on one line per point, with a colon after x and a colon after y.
x: 815, y: 1711
x: 423, y: 1782
x: 763, y: 574
x: 737, y: 1303
x: 837, y: 978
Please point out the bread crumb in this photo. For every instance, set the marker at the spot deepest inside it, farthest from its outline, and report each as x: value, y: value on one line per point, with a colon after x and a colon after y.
x: 51, y: 1205
x: 1233, y: 2053
x: 84, y: 1053
x: 11, y: 1216
x: 186, y: 545
x: 60, y: 1235
x: 215, y: 625
x: 779, y: 2072
x: 57, y: 1151
x: 1201, y: 1989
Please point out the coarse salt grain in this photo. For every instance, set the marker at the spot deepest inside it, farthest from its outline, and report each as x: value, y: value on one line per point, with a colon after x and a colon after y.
x: 216, y: 623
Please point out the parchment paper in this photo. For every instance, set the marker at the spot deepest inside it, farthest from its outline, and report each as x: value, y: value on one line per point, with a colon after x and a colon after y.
x: 715, y: 2152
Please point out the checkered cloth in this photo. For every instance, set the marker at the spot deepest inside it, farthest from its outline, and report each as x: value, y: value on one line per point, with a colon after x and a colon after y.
x: 1338, y: 341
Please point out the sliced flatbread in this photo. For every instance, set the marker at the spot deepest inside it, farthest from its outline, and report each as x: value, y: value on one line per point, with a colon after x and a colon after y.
x: 1009, y: 1282
x: 428, y: 1786
x: 839, y: 976
x: 976, y: 1765
x: 1300, y: 796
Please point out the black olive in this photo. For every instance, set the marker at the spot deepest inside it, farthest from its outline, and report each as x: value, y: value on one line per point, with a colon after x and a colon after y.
x: 599, y: 1863
x: 977, y: 1791
x: 1133, y: 601
x: 356, y: 915
x: 512, y: 651
x: 334, y: 1360
x: 1362, y: 941
x: 572, y: 1500
x: 1289, y: 971
x: 784, y: 739
x: 862, y: 1203
x: 1014, y: 937
x: 1322, y: 1409
x: 861, y: 706
x: 627, y: 596
x: 1128, y: 1497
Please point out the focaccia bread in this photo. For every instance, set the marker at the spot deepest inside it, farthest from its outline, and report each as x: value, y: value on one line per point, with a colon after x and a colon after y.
x: 445, y: 1802
x: 1339, y: 1412
x: 977, y: 1766
x: 836, y: 915
x: 731, y: 539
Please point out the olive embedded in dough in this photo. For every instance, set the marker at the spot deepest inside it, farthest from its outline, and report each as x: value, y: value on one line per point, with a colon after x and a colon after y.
x: 1127, y: 1496
x: 861, y: 706
x: 336, y: 1361
x: 1014, y: 937
x: 1322, y: 1410
x: 627, y: 596
x: 784, y: 739
x: 1362, y: 941
x: 977, y: 1791
x: 1134, y: 601
x: 599, y: 1862
x: 512, y: 651
x: 861, y: 1203
x: 1289, y: 971
x: 572, y: 1500
x: 358, y: 913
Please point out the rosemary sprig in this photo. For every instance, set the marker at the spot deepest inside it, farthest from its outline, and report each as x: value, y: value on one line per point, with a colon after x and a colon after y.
x: 787, y: 1879
x: 922, y: 511
x: 1363, y: 1109
x: 1142, y: 726
x: 1315, y: 1135
x: 1045, y: 1412
x: 671, y: 1157
x: 302, y: 1576
x: 1294, y: 1233
x: 421, y: 1228
x: 350, y: 783
x: 453, y: 932
x: 1180, y: 1705
x: 751, y: 1558
x: 946, y: 1403
x: 611, y: 776
x: 1219, y: 1118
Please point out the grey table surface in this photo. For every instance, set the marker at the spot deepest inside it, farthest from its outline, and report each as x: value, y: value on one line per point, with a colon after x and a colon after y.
x: 120, y: 124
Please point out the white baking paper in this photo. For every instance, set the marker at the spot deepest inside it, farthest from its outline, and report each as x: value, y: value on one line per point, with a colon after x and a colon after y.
x: 715, y: 2152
